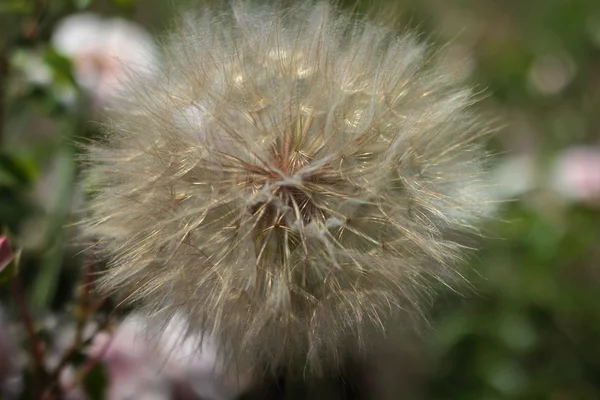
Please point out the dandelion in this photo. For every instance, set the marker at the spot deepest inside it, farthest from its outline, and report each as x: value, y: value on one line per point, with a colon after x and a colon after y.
x: 290, y: 180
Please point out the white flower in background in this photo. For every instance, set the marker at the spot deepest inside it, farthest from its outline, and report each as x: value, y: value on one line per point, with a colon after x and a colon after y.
x: 550, y: 74
x: 576, y: 174
x: 514, y: 176
x: 33, y: 66
x: 103, y: 51
x: 37, y: 72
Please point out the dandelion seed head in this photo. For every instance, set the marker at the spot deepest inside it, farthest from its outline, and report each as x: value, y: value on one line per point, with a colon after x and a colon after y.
x: 288, y: 180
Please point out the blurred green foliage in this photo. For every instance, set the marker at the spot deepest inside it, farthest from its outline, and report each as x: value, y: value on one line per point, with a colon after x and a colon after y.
x: 529, y: 328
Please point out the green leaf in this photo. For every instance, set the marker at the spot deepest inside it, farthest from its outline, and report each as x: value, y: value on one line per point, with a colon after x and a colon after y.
x: 46, y: 281
x: 8, y: 273
x: 16, y: 6
x: 95, y: 382
x: 16, y: 171
x: 124, y: 3
x: 9, y: 268
x: 81, y: 4
x: 61, y: 66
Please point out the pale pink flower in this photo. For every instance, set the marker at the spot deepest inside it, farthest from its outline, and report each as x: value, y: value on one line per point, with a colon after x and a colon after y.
x: 104, y: 51
x: 576, y: 174
x: 149, y: 364
x: 515, y: 175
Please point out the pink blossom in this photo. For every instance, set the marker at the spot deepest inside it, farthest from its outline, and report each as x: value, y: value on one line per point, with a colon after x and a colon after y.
x: 150, y: 366
x: 576, y: 174
x: 103, y: 50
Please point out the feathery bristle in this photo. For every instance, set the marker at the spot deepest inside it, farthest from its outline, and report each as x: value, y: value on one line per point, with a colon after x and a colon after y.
x: 287, y: 180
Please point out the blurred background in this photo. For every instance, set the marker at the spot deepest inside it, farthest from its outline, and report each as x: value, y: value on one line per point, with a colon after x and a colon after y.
x: 528, y: 328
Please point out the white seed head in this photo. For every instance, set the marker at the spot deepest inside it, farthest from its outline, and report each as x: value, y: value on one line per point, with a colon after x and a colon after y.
x: 289, y: 180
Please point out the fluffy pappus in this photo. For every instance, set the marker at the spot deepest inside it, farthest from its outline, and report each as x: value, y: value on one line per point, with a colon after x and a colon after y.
x: 288, y: 179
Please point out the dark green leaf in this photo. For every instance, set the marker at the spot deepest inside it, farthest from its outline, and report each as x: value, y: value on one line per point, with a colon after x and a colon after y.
x: 95, y: 382
x: 16, y: 171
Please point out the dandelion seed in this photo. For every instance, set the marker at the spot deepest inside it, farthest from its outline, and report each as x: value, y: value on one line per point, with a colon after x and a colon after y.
x: 288, y: 181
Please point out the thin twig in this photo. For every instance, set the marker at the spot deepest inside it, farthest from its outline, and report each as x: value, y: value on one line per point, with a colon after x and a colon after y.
x: 31, y: 29
x: 35, y: 344
x: 84, y: 310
